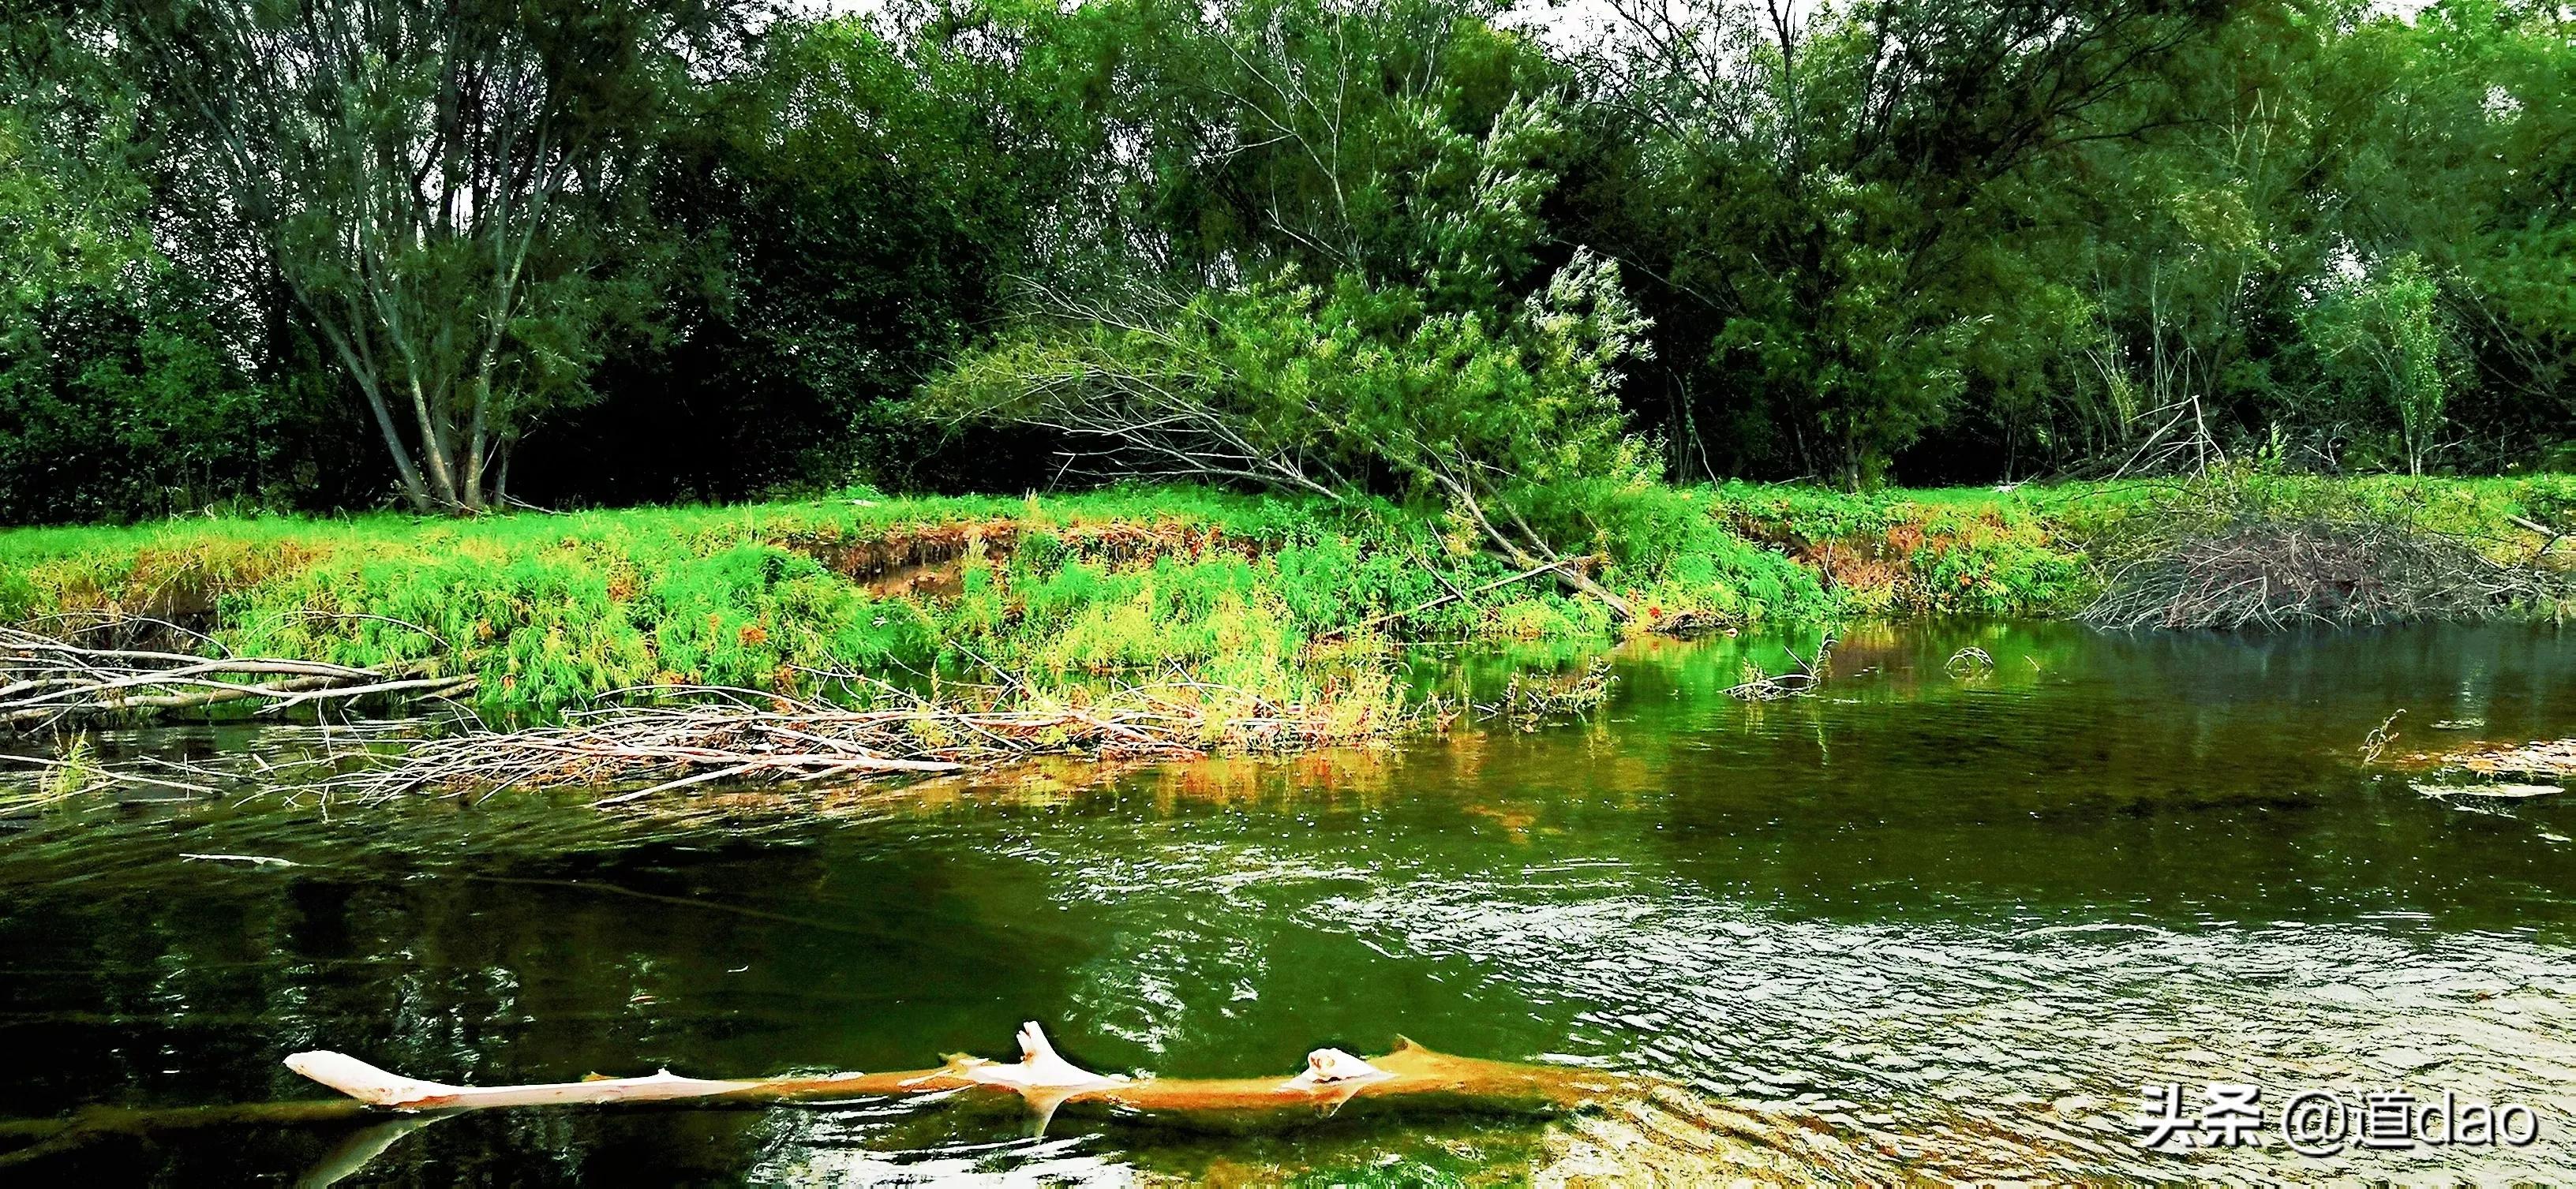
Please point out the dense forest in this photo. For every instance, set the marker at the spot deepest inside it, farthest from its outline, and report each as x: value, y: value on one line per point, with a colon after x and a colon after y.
x: 448, y: 255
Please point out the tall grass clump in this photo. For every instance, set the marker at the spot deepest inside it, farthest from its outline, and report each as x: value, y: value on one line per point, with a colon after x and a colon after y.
x: 1687, y: 566
x: 1902, y: 553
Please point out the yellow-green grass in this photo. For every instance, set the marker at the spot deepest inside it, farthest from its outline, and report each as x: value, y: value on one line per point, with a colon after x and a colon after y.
x: 1269, y: 595
x: 1265, y: 594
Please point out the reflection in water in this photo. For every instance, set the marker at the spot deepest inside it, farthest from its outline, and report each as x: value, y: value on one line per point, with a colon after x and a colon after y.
x: 1956, y: 922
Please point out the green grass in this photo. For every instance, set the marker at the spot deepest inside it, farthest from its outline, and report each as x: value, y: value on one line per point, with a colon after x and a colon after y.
x: 1940, y: 552
x: 549, y: 610
x: 1260, y: 593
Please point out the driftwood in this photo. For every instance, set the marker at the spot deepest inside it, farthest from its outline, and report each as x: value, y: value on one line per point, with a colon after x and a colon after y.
x: 1334, y: 1082
x: 47, y: 681
x: 1331, y: 1081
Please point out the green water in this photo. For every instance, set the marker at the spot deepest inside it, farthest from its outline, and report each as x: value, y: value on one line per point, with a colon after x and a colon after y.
x: 1951, y: 924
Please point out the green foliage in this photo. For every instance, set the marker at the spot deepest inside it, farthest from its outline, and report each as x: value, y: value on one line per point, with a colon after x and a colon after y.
x: 1843, y: 347
x: 2494, y: 514
x: 1407, y: 142
x: 1682, y: 560
x: 1924, y: 553
x: 115, y: 398
x: 465, y: 229
x: 671, y: 251
x: 1237, y: 592
x: 1236, y: 600
x: 859, y: 198
x: 2383, y: 342
x: 1511, y: 421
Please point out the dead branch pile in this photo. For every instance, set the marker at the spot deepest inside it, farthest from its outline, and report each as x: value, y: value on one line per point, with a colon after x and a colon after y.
x: 47, y: 681
x: 697, y: 735
x: 2264, y: 571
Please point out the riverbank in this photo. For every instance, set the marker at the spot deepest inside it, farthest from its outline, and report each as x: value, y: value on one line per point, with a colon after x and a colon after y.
x: 1284, y: 601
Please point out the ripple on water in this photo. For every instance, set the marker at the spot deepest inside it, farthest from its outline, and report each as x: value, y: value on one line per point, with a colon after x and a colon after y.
x: 1981, y: 1035
x: 1954, y: 926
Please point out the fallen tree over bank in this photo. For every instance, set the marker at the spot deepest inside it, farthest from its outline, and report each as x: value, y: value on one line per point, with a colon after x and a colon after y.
x: 1510, y: 419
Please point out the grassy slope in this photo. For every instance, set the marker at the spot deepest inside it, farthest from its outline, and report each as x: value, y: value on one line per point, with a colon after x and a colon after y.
x: 1237, y: 590
x: 1233, y: 589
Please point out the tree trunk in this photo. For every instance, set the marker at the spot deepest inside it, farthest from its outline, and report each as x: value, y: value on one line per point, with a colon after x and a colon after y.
x: 405, y: 470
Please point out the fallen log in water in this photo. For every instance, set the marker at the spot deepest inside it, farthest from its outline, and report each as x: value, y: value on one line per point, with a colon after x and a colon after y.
x: 2485, y: 769
x: 2553, y: 759
x: 1411, y: 1078
x: 1411, y: 1074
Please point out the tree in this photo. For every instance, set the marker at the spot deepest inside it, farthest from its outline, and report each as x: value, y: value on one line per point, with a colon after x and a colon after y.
x: 1810, y: 190
x: 1406, y: 142
x: 122, y: 390
x: 865, y: 197
x: 450, y: 188
x: 1512, y: 421
x: 707, y: 248
x: 2382, y: 338
x: 2459, y: 152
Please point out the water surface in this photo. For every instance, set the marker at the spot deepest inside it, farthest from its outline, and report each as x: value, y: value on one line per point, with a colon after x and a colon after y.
x: 1952, y: 923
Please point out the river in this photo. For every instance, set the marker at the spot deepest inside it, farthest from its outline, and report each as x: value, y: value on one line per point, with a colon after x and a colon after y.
x: 1927, y: 924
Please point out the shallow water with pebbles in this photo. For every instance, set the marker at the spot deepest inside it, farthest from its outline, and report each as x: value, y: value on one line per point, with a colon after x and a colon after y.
x: 1920, y: 925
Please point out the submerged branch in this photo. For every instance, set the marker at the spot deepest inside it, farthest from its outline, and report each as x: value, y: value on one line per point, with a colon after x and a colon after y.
x: 1043, y: 1079
x: 1804, y: 676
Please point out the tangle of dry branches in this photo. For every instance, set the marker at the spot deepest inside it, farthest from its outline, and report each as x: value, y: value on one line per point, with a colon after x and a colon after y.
x: 714, y: 734
x: 660, y: 739
x: 46, y: 681
x: 2276, y: 571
